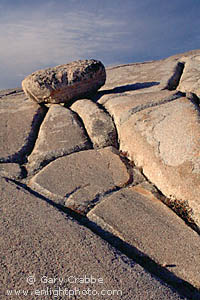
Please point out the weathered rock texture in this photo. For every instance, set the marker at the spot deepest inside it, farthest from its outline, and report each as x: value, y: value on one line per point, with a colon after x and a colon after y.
x: 164, y: 141
x: 98, y: 123
x: 20, y: 119
x: 122, y: 107
x: 65, y: 82
x: 159, y: 129
x: 61, y: 133
x: 39, y: 242
x: 11, y: 170
x: 142, y: 77
x: 153, y: 229
x: 190, y: 80
x: 79, y: 180
x: 145, y: 122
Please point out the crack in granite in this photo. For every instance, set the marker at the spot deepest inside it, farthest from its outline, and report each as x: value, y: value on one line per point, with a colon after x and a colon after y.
x: 139, y: 108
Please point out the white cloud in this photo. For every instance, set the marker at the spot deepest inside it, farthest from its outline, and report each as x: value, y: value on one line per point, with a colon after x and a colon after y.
x: 32, y: 41
x: 36, y: 34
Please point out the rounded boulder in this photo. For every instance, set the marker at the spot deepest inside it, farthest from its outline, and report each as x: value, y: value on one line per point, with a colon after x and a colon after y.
x: 64, y: 83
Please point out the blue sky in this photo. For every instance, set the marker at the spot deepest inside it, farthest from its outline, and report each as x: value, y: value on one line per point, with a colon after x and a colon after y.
x: 38, y: 34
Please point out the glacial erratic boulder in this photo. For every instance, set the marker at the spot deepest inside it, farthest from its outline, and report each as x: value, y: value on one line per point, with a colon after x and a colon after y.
x: 66, y: 82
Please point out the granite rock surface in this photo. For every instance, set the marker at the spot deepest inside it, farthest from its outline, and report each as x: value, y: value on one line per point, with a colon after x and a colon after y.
x: 97, y: 122
x: 45, y: 253
x: 121, y: 165
x: 65, y: 82
x: 189, y: 82
x: 61, y: 133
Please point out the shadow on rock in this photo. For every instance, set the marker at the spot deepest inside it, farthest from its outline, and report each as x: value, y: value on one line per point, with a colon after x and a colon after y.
x: 159, y: 271
x: 183, y: 287
x: 125, y: 88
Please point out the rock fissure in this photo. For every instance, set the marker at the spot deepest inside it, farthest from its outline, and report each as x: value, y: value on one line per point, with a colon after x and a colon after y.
x: 120, y: 245
x: 189, y: 82
x: 44, y: 163
x: 184, y: 287
x: 180, y: 208
x: 132, y: 64
x: 123, y: 162
x: 102, y: 196
x: 21, y: 156
x: 176, y: 77
x: 114, y: 138
x: 194, y: 99
x: 62, y: 133
x: 97, y: 122
x: 142, y: 107
x: 136, y: 177
x: 158, y: 142
x: 84, y: 128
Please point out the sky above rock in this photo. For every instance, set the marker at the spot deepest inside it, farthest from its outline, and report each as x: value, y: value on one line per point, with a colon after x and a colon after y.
x: 39, y: 34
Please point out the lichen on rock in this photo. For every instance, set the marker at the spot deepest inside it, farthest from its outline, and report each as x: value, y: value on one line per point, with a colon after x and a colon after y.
x: 66, y: 82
